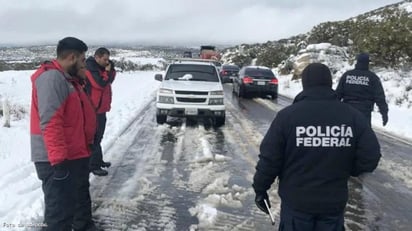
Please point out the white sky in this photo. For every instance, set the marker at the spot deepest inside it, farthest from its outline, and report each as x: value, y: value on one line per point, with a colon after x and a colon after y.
x: 170, y: 22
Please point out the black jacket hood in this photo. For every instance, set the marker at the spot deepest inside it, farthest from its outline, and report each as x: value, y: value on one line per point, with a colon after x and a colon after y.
x: 92, y: 65
x: 316, y: 93
x: 362, y: 66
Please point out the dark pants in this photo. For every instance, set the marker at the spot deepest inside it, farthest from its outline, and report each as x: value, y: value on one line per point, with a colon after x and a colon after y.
x: 96, y: 158
x: 292, y: 220
x: 67, y: 201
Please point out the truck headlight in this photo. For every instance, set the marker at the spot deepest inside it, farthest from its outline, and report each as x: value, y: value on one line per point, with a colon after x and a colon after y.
x: 216, y: 93
x: 216, y: 101
x: 166, y: 99
x: 165, y: 91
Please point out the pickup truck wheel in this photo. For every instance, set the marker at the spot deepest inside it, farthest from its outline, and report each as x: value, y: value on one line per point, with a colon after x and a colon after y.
x: 161, y: 119
x: 220, y: 121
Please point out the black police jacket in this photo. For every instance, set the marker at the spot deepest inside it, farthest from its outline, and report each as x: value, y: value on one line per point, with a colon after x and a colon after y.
x: 313, y: 147
x: 362, y: 87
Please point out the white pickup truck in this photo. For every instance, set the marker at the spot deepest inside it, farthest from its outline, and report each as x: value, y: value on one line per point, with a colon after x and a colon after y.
x: 190, y: 89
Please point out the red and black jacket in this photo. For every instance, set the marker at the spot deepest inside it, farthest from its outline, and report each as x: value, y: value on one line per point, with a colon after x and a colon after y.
x: 99, y: 84
x: 62, y: 119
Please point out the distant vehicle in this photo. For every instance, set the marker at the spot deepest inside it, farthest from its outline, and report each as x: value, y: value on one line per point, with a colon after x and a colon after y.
x: 209, y: 52
x: 187, y: 54
x: 191, y: 89
x: 228, y: 72
x: 258, y: 80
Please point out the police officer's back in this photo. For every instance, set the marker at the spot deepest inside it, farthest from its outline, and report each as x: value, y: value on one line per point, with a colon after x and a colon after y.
x: 313, y: 147
x: 361, y: 88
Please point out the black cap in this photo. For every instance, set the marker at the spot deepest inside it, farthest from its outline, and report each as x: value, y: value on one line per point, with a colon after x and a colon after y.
x: 316, y: 74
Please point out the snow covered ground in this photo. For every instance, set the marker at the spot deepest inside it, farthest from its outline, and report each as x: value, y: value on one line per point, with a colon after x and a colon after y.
x: 21, y: 195
x: 400, y: 116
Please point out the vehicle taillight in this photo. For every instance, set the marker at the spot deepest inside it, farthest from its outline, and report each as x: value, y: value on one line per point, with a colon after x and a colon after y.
x: 274, y: 81
x: 247, y: 79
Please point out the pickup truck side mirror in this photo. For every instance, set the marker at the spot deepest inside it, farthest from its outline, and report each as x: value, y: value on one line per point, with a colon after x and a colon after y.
x: 159, y: 77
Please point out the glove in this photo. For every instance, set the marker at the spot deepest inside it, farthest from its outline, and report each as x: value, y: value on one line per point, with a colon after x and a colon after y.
x: 260, y: 201
x: 61, y: 171
x: 384, y: 119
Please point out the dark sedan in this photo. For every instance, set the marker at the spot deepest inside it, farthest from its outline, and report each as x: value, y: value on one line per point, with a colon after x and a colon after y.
x: 228, y: 72
x: 255, y: 80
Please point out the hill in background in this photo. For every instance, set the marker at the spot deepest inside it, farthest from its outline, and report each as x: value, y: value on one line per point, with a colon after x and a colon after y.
x: 385, y: 33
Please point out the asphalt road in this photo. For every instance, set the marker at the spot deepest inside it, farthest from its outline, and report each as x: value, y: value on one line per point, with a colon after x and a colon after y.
x: 163, y: 177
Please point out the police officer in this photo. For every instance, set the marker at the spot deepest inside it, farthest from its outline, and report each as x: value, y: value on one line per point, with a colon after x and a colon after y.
x: 361, y: 88
x: 313, y: 147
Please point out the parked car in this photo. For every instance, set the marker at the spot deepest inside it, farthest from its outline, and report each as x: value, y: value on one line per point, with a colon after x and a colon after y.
x: 228, y: 72
x: 192, y: 89
x: 255, y: 80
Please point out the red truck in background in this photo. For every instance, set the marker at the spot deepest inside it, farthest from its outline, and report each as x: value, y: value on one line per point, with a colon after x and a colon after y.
x: 209, y: 52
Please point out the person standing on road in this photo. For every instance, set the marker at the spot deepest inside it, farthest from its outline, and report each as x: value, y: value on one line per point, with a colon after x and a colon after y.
x: 62, y: 127
x: 100, y: 76
x: 362, y: 88
x: 313, y: 146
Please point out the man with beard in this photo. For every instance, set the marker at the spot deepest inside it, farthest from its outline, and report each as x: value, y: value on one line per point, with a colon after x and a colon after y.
x: 100, y: 76
x: 62, y: 128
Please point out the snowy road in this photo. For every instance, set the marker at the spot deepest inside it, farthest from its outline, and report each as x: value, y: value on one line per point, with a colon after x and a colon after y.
x: 180, y: 177
x: 189, y: 176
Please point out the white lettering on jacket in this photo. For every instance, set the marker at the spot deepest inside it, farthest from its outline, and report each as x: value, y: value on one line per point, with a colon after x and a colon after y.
x: 324, y: 136
x: 357, y: 80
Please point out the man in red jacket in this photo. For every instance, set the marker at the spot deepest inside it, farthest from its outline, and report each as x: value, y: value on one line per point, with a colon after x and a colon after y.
x: 62, y: 127
x: 100, y: 76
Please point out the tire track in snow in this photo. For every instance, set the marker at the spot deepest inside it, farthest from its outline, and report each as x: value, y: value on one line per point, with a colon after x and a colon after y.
x: 125, y: 195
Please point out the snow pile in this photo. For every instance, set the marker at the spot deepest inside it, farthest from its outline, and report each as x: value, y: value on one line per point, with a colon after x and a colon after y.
x: 406, y: 6
x: 206, y: 215
x: 334, y: 57
x: 219, y: 195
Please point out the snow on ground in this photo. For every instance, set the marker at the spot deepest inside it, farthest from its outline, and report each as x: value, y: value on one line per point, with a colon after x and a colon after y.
x: 21, y: 194
x: 139, y: 57
x: 398, y: 97
x: 407, y: 6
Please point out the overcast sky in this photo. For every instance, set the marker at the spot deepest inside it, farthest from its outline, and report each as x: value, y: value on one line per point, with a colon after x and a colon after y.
x: 170, y: 22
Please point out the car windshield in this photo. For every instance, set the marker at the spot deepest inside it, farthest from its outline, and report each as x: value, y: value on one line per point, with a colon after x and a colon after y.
x: 192, y: 72
x: 231, y: 68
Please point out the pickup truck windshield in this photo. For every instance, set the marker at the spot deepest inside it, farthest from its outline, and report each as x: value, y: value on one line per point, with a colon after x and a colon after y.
x: 196, y: 72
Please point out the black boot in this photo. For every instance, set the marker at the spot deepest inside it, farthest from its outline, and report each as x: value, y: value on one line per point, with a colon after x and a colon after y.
x: 99, y: 172
x: 106, y: 164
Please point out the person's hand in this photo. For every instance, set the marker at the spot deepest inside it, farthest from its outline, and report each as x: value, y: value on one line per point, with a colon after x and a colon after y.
x: 109, y: 67
x: 384, y: 119
x: 260, y: 201
x: 61, y: 171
